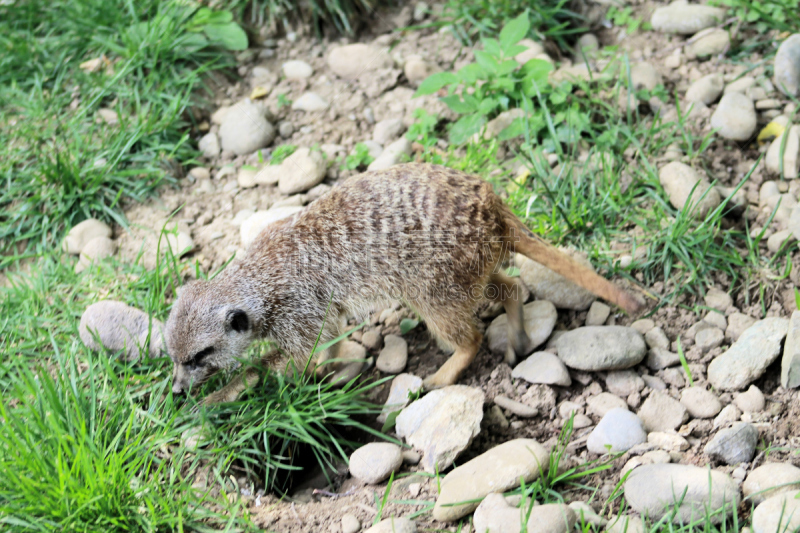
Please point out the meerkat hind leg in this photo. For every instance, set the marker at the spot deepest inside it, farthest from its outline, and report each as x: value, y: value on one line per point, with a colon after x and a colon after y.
x: 450, y: 371
x: 509, y: 294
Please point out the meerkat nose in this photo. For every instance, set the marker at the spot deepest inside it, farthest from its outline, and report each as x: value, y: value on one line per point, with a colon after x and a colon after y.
x: 177, y: 388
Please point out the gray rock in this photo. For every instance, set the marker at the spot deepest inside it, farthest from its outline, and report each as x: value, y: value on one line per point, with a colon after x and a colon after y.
x: 540, y: 319
x: 626, y: 524
x: 685, y: 19
x: 246, y: 178
x: 394, y: 525
x: 598, y: 314
x: 735, y: 117
x: 670, y: 442
x: 620, y: 429
x: 662, y: 413
x: 297, y: 70
x: 623, y: 383
x: 391, y: 155
x: 394, y: 356
x: 286, y: 129
x: 245, y: 130
x: 388, y: 130
x: 790, y: 148
x: 742, y: 85
x: 778, y: 514
x: 495, y: 515
x: 372, y: 339
x: 654, y: 382
x: 302, y: 170
x: 683, y: 185
x: 261, y: 219
x: 770, y: 480
x: 518, y: 408
x: 209, y: 145
x: 701, y: 402
x: 502, y: 121
x: 442, y: 424
x: 643, y: 325
x: 734, y: 445
x: 119, y: 327
x: 738, y: 323
x: 603, y: 403
x: 347, y: 371
x: 709, y: 338
x: 584, y: 514
x: 644, y: 76
x: 95, y: 250
x: 402, y: 386
x: 83, y: 232
x: 729, y: 415
x: 374, y: 462
x: 713, y: 42
x: 659, y: 359
x: 547, y: 285
x: 310, y: 102
x: 353, y: 61
x: 751, y: 401
x: 657, y: 338
x: 654, y: 490
x: 543, y: 367
x: 717, y: 299
x: 417, y: 69
x: 596, y: 348
x: 787, y: 66
x: 750, y: 356
x: 790, y: 362
x: 497, y: 470
x: 350, y: 524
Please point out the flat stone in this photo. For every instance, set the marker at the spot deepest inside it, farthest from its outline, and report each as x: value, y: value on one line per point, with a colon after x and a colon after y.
x: 545, y: 284
x: 518, y: 408
x: 540, y: 319
x: 787, y: 66
x: 735, y: 117
x: 302, y: 170
x: 778, y: 514
x: 394, y: 525
x: 750, y: 356
x: 714, y: 42
x: 543, y: 367
x: 392, y: 155
x: 685, y: 19
x: 259, y: 220
x: 121, y: 328
x: 701, y: 402
x: 402, y: 386
x: 598, y: 314
x: 734, y: 445
x: 353, y: 61
x: 654, y: 490
x: 684, y: 185
x: 618, y: 431
x: 770, y: 480
x: 660, y: 412
x: 297, y: 70
x: 670, y: 442
x: 442, y: 424
x: 394, y: 356
x: 83, y: 232
x: 790, y: 362
x: 604, y: 402
x: 374, y: 462
x: 310, y: 102
x: 596, y: 348
x: 498, y: 470
x: 495, y: 515
x: 623, y: 383
x: 751, y: 401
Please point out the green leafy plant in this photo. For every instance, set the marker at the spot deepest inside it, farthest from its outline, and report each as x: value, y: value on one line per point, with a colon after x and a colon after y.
x: 280, y: 153
x: 765, y: 14
x: 283, y: 101
x: 624, y: 17
x: 218, y: 28
x: 358, y: 158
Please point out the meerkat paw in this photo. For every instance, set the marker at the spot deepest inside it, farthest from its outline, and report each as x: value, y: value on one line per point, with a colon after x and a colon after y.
x: 231, y: 391
x: 438, y: 380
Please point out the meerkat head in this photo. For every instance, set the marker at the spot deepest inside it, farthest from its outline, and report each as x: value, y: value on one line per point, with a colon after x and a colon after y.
x: 207, y: 330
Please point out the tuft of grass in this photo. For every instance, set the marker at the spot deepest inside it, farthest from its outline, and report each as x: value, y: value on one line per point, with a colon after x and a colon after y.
x: 286, y: 420
x: 93, y: 107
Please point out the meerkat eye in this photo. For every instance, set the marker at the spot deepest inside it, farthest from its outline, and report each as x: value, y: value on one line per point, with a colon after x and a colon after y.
x: 199, y: 356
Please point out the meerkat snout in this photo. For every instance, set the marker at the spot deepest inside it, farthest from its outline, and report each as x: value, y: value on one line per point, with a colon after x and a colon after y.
x: 204, y: 337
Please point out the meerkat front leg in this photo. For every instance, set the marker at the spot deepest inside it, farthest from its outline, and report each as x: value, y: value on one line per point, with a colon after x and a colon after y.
x: 450, y: 371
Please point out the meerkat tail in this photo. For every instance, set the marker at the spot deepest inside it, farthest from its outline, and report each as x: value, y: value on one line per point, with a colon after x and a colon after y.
x: 533, y: 247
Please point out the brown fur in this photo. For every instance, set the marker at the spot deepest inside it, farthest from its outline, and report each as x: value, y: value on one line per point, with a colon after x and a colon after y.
x: 428, y: 235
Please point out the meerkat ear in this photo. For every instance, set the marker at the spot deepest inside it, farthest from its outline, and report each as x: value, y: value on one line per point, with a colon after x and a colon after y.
x: 237, y: 320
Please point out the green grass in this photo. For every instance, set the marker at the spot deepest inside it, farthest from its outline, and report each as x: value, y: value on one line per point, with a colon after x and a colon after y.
x: 59, y: 162
x: 332, y: 16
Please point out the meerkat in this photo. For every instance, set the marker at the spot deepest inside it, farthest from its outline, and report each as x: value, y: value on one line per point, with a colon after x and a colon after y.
x: 430, y: 236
